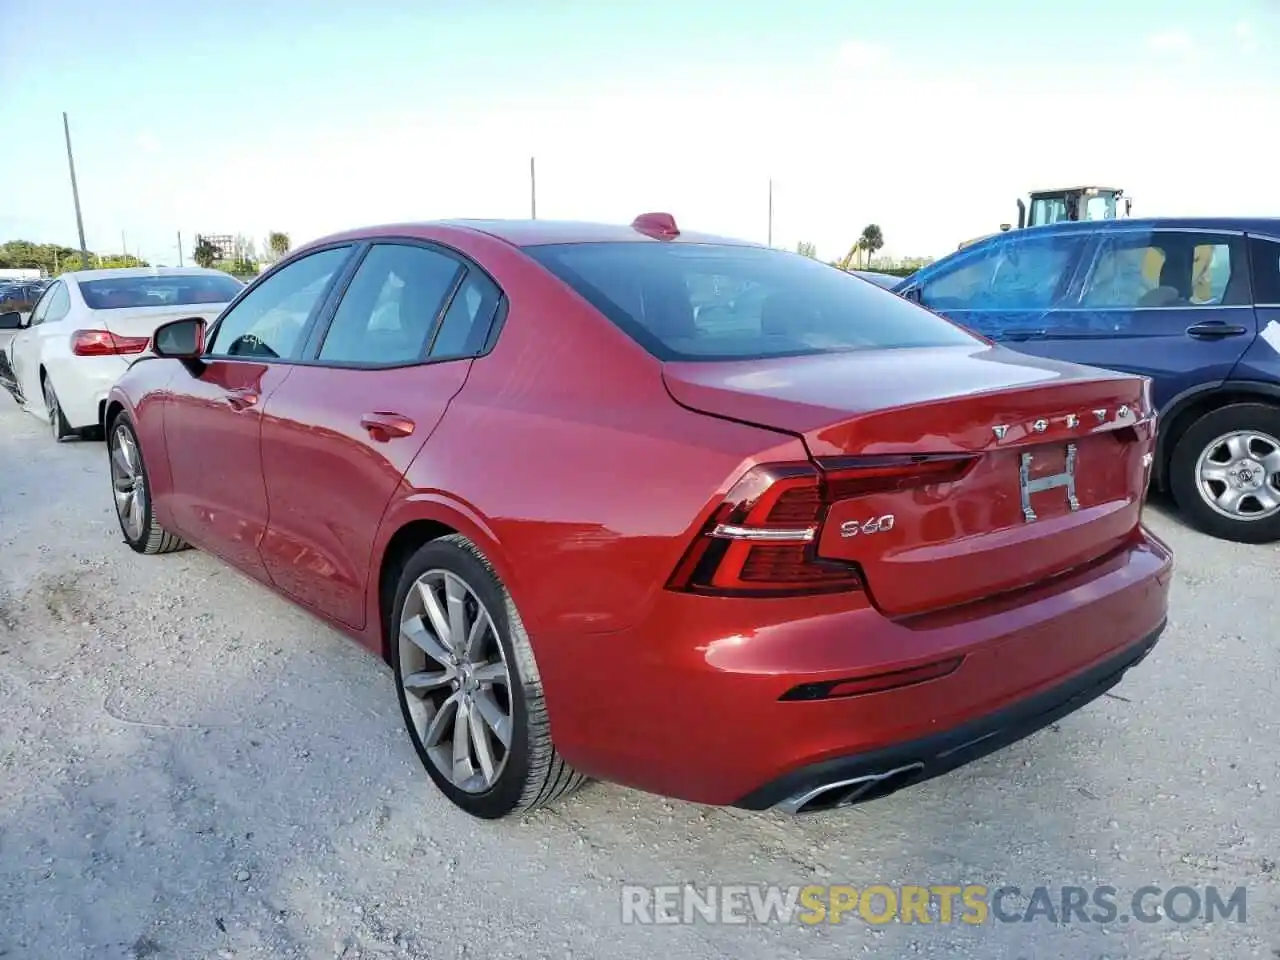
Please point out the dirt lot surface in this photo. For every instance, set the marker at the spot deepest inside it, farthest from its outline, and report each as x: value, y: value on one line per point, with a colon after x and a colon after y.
x: 190, y: 767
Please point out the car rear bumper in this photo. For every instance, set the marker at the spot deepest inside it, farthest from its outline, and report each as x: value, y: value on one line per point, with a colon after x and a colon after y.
x: 699, y: 701
x: 83, y: 383
x: 868, y: 776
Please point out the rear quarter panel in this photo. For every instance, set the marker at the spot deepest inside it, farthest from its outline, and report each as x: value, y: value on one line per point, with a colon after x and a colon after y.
x: 570, y: 464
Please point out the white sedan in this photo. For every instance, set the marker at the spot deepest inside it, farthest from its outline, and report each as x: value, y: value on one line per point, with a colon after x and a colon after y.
x: 61, y: 360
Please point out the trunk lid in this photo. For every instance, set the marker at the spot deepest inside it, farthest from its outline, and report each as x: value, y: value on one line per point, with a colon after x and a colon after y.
x: 142, y: 321
x: 1019, y: 419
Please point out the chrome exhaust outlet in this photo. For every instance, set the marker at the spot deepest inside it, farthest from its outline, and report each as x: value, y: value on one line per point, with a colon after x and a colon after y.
x: 843, y: 793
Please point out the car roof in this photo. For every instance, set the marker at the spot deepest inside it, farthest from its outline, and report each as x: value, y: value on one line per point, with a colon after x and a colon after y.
x: 115, y: 273
x: 529, y: 233
x: 1267, y: 225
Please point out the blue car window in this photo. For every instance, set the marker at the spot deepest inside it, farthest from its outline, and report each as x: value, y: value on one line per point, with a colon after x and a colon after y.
x: 1016, y: 272
x: 1168, y: 268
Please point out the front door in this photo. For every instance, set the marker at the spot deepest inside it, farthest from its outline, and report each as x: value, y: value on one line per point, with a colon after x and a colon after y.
x: 341, y: 432
x: 213, y: 418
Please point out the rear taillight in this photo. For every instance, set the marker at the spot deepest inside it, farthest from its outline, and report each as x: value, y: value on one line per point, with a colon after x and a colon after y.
x: 103, y: 343
x: 762, y: 539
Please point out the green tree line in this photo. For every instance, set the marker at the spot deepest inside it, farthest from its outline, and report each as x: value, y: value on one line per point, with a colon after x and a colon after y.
x: 53, y: 258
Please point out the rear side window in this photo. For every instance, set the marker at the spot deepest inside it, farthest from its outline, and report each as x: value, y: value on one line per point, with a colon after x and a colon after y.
x: 1266, y: 271
x: 166, y: 290
x: 721, y: 302
x: 1166, y: 268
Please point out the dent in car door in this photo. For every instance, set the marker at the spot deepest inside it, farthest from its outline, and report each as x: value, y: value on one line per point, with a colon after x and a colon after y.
x: 340, y: 435
x: 1170, y: 305
x: 24, y: 350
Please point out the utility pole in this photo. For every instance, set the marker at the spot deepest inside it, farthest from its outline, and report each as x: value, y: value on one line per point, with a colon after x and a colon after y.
x: 771, y: 211
x: 75, y: 194
x: 533, y: 191
x: 124, y: 251
x: 179, y: 248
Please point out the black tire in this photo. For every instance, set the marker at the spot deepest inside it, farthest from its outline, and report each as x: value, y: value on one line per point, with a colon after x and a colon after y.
x: 58, y: 425
x: 151, y: 538
x: 534, y: 773
x: 1184, y: 480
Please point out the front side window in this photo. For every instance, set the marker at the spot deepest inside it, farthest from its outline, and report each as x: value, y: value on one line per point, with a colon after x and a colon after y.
x: 684, y: 301
x: 162, y: 290
x: 1142, y: 269
x: 1012, y: 273
x: 391, y: 308
x: 269, y: 321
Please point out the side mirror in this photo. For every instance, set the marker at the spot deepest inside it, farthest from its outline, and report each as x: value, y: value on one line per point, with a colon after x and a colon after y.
x: 179, y: 339
x: 11, y: 320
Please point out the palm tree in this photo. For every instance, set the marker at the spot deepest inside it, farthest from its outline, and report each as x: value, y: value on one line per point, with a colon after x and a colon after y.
x: 205, y: 252
x: 278, y: 242
x: 872, y: 239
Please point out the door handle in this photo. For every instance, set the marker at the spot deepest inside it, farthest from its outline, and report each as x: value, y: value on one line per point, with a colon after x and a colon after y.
x: 383, y: 426
x: 1022, y: 334
x: 1215, y: 329
x: 242, y: 399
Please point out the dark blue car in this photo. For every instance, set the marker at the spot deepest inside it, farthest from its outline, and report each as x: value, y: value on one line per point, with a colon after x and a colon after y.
x: 1192, y: 304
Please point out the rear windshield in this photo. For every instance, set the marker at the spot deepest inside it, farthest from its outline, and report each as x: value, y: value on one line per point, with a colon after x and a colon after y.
x: 162, y: 291
x: 720, y: 302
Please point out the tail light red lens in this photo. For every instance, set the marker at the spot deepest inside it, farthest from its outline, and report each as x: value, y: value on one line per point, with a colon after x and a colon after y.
x: 762, y: 539
x: 104, y: 343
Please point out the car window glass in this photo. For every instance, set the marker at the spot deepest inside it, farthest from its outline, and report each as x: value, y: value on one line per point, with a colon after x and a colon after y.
x: 1165, y: 269
x: 729, y: 302
x: 466, y: 323
x: 389, y: 310
x: 1266, y: 271
x: 59, y: 304
x: 42, y: 305
x: 1014, y: 273
x: 268, y: 321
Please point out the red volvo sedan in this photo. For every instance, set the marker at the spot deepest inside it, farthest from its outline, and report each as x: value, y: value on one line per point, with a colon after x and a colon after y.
x: 705, y: 518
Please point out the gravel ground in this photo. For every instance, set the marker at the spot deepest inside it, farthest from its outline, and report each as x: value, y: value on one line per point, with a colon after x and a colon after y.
x: 190, y: 767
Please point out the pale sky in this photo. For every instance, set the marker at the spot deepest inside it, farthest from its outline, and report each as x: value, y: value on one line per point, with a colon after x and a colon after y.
x: 244, y: 116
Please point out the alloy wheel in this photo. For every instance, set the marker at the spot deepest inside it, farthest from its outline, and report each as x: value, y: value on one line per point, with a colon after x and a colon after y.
x: 1238, y: 475
x: 128, y: 482
x: 456, y: 681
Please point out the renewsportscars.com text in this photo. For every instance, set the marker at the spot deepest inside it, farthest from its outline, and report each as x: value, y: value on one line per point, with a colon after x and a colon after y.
x: 972, y: 904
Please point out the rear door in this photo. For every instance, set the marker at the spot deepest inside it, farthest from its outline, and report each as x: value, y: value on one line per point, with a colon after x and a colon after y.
x: 213, y: 416
x: 1262, y: 361
x: 340, y: 433
x: 1172, y: 305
